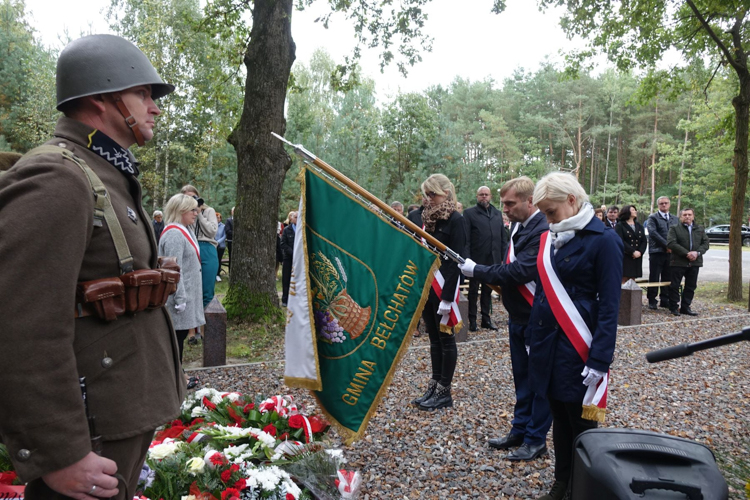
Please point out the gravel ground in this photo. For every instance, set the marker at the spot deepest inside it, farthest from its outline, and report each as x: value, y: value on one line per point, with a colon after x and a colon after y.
x: 410, y: 454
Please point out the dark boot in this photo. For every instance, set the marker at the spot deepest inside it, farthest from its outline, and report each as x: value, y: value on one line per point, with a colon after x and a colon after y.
x: 558, y: 491
x: 431, y: 385
x: 441, y: 398
x: 473, y: 325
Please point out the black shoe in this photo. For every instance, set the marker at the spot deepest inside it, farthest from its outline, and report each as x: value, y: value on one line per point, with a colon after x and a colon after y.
x: 674, y: 312
x: 488, y: 325
x: 441, y: 398
x: 652, y: 305
x: 431, y: 385
x: 527, y: 452
x: 688, y: 311
x: 558, y: 491
x: 473, y: 326
x: 509, y: 441
x: 193, y: 382
x: 193, y: 341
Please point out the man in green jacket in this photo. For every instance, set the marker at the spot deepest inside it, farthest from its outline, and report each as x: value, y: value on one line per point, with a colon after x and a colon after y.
x: 688, y: 242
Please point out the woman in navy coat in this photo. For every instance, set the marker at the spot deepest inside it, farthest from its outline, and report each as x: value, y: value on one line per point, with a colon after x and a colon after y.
x: 585, y: 261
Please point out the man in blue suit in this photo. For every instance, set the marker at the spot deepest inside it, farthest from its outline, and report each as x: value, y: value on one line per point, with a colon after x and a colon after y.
x: 517, y: 276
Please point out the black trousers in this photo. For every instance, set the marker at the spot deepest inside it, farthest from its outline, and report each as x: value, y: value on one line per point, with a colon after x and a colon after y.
x: 443, y: 351
x: 567, y: 424
x: 220, y: 252
x: 485, y: 300
x: 286, y: 278
x: 688, y: 291
x: 658, y: 271
x: 181, y: 336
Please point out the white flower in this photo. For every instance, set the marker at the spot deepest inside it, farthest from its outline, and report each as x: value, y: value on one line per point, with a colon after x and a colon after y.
x: 195, y: 465
x: 236, y: 451
x: 233, y: 396
x: 197, y: 412
x: 163, y: 450
x: 189, y: 497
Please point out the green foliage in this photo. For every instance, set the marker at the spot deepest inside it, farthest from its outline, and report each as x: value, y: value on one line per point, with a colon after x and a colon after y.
x: 243, y: 303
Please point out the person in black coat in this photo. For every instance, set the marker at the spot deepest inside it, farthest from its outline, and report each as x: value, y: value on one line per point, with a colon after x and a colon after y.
x: 287, y: 249
x: 531, y: 415
x: 612, y: 214
x: 441, y: 220
x: 634, y: 240
x: 487, y: 240
x: 158, y: 224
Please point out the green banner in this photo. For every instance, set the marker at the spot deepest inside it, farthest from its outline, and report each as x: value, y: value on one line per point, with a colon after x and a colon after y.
x: 367, y: 284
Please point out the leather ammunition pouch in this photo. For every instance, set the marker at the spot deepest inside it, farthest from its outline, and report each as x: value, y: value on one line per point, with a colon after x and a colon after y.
x: 138, y: 288
x: 104, y: 298
x: 170, y: 276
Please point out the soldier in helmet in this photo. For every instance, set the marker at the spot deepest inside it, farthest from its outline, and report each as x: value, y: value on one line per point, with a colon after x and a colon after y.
x: 65, y: 314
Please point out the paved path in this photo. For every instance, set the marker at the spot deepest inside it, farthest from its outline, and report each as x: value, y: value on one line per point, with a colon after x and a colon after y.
x: 715, y: 265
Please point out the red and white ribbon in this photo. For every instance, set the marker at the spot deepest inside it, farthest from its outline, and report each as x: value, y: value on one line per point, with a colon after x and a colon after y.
x: 575, y: 328
x: 453, y: 318
x: 187, y: 235
x: 528, y: 289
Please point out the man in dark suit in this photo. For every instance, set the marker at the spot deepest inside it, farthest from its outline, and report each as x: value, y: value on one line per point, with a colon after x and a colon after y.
x: 486, y: 241
x: 658, y: 225
x: 287, y: 250
x: 613, y: 212
x: 531, y: 417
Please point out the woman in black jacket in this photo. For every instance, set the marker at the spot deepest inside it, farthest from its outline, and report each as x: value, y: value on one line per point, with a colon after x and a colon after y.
x: 634, y: 239
x: 445, y: 223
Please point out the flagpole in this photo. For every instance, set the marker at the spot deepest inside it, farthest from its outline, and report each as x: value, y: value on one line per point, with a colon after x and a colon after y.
x: 308, y: 156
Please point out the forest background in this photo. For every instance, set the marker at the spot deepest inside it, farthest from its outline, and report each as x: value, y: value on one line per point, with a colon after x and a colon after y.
x: 476, y: 132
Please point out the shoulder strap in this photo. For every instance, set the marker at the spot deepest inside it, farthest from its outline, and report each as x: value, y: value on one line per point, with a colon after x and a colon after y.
x: 102, y: 204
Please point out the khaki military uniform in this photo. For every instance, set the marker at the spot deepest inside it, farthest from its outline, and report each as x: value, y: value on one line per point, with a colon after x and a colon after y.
x: 48, y: 243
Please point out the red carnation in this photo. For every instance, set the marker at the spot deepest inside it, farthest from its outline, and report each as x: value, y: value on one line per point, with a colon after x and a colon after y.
x: 234, y: 467
x: 248, y: 407
x: 218, y: 459
x: 289, y: 496
x: 7, y: 477
x: 318, y: 424
x: 230, y: 494
x: 241, y: 484
x: 226, y: 476
x: 296, y: 421
x: 270, y: 429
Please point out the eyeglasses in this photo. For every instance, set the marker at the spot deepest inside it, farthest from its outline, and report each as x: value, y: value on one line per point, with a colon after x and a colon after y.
x: 430, y: 194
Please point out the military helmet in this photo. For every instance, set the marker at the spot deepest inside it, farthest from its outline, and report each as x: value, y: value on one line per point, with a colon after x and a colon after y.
x: 99, y: 64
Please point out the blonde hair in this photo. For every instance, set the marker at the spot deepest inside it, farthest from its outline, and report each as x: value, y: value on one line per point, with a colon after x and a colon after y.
x: 439, y: 184
x: 190, y: 188
x: 523, y: 186
x: 556, y: 186
x: 178, y: 205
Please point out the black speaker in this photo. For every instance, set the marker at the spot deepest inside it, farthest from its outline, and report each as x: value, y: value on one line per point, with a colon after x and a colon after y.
x: 620, y: 464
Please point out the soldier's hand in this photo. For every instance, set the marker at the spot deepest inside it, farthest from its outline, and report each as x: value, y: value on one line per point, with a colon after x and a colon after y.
x: 89, y: 478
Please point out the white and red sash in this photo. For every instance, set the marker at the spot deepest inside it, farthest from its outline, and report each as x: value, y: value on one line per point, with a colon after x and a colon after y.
x: 452, y: 319
x: 185, y: 233
x: 575, y: 328
x: 528, y: 289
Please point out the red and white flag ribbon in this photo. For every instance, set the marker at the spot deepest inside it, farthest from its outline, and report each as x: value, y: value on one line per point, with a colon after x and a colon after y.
x: 575, y: 328
x: 453, y: 319
x: 186, y: 235
x: 528, y: 289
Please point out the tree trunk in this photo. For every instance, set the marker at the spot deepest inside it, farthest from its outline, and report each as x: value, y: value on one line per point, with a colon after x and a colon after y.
x: 620, y: 158
x: 741, y: 105
x: 653, y: 159
x: 262, y: 162
x: 609, y: 143
x: 682, y: 165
